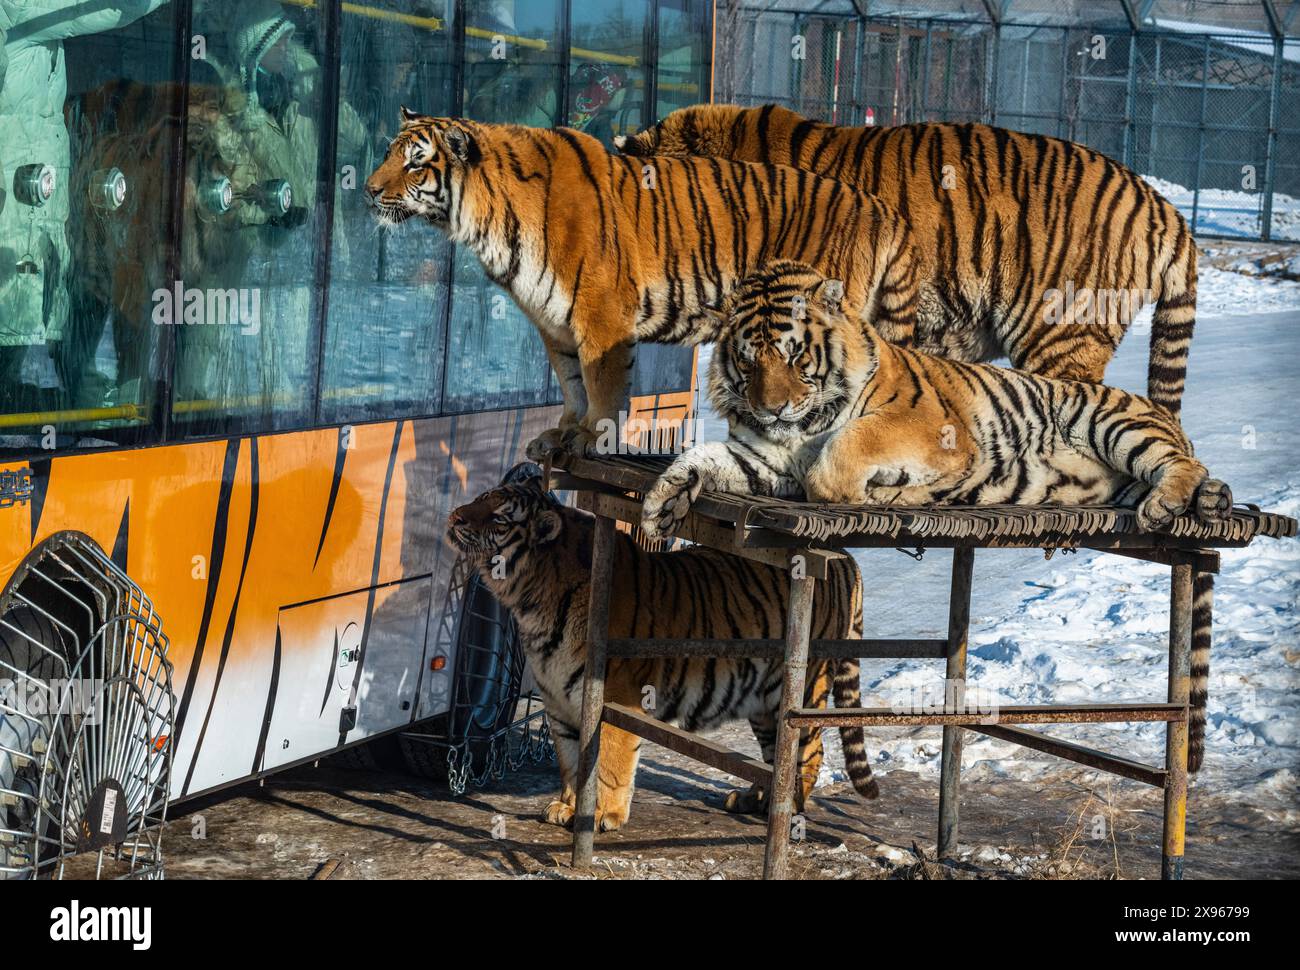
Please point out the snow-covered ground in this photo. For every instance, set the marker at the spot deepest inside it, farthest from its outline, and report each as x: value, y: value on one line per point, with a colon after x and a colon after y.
x: 1094, y: 627
x: 1225, y: 212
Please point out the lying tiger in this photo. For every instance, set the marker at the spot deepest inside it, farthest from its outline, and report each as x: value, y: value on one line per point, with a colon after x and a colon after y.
x: 546, y: 550
x: 602, y: 250
x: 819, y: 405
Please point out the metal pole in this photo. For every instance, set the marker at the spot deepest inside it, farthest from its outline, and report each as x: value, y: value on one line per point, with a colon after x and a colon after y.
x: 1270, y: 157
x: 785, y: 766
x: 1130, y: 102
x: 925, y: 74
x: 1180, y: 681
x: 593, y: 693
x: 963, y: 566
x: 1200, y: 135
x: 858, y: 114
x: 994, y: 71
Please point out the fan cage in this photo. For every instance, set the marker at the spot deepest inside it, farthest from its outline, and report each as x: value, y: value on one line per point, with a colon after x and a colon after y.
x: 89, y: 788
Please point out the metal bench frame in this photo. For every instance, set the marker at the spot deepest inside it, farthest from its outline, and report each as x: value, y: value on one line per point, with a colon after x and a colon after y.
x: 611, y: 492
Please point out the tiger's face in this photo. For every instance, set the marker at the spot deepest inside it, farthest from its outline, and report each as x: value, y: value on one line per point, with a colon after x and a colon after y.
x: 509, y: 522
x: 424, y: 172
x: 780, y: 360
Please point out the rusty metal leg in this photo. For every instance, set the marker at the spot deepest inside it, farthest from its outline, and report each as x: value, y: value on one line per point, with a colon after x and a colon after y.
x: 593, y: 693
x: 785, y: 767
x: 963, y: 565
x: 1180, y: 682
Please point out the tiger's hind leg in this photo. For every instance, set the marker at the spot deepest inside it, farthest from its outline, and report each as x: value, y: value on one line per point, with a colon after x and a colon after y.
x: 1172, y: 495
x: 753, y: 800
x: 1212, y: 501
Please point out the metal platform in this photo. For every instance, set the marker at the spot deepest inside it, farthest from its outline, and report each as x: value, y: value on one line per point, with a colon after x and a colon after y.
x: 804, y: 537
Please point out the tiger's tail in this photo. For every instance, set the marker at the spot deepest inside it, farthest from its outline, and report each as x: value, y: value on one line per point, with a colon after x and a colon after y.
x: 1172, y: 325
x: 1202, y: 621
x: 846, y: 685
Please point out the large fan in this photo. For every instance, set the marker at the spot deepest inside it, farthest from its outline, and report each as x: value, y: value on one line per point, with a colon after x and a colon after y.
x: 86, y: 719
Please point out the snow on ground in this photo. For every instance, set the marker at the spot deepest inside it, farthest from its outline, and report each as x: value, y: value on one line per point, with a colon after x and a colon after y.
x: 1225, y: 212
x: 1087, y: 626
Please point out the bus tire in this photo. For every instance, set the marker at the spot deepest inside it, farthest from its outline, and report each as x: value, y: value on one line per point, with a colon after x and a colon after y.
x: 19, y: 660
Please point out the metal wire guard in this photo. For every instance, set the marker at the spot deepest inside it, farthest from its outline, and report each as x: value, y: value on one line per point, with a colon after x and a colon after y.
x: 93, y: 778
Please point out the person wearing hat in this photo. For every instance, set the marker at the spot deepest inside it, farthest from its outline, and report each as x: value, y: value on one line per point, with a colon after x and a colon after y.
x: 35, y: 162
x: 278, y: 143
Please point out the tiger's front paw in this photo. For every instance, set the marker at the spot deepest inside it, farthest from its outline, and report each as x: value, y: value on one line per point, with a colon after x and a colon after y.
x: 669, y: 501
x: 1157, y: 510
x: 1213, y: 500
x: 546, y: 444
x: 611, y: 819
x: 746, y: 801
x: 581, y: 442
x: 558, y: 813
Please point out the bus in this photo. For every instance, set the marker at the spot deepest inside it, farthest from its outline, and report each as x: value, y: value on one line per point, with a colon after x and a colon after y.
x: 234, y: 409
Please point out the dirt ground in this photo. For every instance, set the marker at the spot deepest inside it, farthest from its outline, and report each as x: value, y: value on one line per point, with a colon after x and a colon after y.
x: 347, y: 824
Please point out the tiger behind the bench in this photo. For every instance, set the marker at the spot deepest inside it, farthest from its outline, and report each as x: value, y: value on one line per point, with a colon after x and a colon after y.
x: 535, y: 556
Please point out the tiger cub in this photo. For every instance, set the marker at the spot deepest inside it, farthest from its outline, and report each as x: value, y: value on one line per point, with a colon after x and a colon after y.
x: 601, y: 250
x: 1015, y: 229
x: 817, y: 404
x: 696, y: 592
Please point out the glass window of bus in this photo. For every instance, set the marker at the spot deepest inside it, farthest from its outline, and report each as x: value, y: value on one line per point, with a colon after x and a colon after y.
x: 243, y: 306
x: 384, y: 335
x: 682, y: 70
x: 607, y: 76
x: 495, y: 357
x: 89, y: 112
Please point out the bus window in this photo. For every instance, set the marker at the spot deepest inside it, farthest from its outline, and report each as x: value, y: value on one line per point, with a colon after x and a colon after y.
x: 683, y: 63
x: 495, y: 357
x: 243, y: 306
x: 607, y: 77
x: 88, y: 110
x: 384, y: 336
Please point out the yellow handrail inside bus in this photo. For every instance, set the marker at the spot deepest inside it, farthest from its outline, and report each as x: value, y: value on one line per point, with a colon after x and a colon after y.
x: 32, y: 419
x: 433, y: 23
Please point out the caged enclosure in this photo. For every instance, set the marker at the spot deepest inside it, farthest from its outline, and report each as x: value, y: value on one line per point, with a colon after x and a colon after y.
x: 1199, y: 97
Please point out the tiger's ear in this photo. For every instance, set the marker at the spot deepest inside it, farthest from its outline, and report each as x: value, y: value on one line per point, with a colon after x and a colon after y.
x: 411, y: 118
x: 715, y: 316
x: 545, y: 527
x: 461, y: 145
x: 630, y: 145
x: 830, y: 294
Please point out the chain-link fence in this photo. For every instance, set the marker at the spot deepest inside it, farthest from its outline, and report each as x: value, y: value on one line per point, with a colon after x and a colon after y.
x: 1213, y: 119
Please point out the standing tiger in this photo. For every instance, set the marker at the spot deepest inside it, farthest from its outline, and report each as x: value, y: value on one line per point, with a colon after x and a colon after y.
x: 1018, y: 232
x: 819, y: 405
x: 546, y: 550
x: 601, y: 250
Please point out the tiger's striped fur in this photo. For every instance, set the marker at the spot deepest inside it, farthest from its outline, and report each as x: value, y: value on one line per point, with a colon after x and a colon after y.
x: 1002, y: 220
x: 821, y: 406
x: 601, y: 250
x: 535, y: 556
